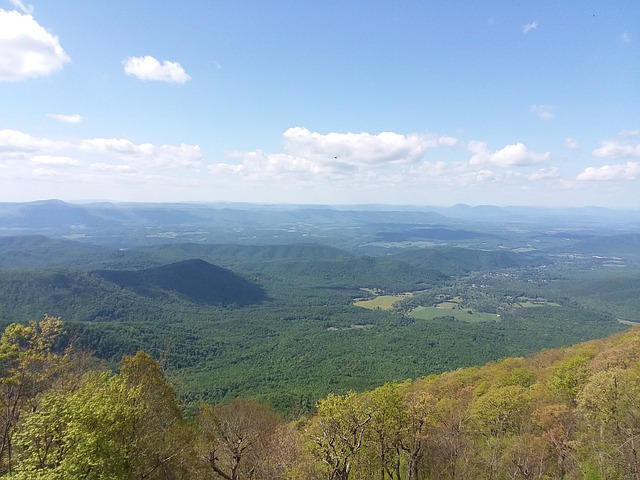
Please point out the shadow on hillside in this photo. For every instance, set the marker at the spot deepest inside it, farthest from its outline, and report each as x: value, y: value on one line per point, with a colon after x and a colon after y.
x: 194, y: 280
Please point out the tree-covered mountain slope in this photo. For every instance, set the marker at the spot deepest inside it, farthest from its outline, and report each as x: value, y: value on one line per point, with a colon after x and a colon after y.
x: 194, y: 280
x: 567, y: 413
x: 38, y: 251
x: 123, y: 295
x: 456, y: 260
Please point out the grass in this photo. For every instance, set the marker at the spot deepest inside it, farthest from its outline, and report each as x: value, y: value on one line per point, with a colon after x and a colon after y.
x: 382, y: 302
x: 461, y: 314
x: 448, y: 308
x: 526, y: 302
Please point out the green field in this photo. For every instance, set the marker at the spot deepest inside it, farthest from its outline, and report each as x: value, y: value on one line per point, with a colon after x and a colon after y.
x: 463, y: 315
x: 382, y: 302
x: 526, y: 302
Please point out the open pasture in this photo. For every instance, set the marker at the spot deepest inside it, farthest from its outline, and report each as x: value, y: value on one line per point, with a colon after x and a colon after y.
x: 461, y: 314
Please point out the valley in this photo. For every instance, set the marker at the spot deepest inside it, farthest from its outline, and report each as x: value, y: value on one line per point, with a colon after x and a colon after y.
x: 267, y: 302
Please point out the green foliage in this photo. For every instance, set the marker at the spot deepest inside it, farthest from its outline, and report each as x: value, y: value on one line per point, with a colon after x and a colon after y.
x: 569, y: 376
x: 277, y: 322
x: 194, y: 280
x: 88, y: 433
x: 457, y: 261
x: 337, y: 432
x: 497, y: 421
x: 28, y: 366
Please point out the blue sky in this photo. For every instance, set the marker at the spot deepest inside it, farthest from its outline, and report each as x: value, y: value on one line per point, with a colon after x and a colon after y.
x: 333, y: 102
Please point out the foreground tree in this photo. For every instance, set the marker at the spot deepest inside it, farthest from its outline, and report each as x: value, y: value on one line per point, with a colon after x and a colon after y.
x: 87, y: 434
x: 337, y: 432
x: 28, y: 366
x: 164, y: 443
x: 238, y: 439
x: 610, y: 441
x: 389, y: 423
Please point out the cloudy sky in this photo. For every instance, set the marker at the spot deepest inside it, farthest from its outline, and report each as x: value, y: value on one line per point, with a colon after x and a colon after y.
x: 332, y: 102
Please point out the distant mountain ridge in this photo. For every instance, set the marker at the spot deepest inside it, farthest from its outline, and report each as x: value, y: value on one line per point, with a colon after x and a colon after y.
x: 39, y: 251
x: 622, y: 244
x: 455, y: 260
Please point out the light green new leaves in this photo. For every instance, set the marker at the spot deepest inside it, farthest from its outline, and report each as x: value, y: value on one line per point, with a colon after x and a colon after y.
x: 28, y: 366
x: 85, y: 434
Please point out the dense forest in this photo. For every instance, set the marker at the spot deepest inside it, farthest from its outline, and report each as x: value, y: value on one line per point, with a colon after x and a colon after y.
x: 282, y: 323
x: 563, y: 413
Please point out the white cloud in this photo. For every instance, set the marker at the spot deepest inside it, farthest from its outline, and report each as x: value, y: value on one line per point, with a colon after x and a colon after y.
x: 122, y: 169
x: 27, y: 50
x: 259, y: 165
x: 544, y: 174
x: 571, y: 143
x: 544, y: 112
x: 363, y: 165
x: 18, y: 147
x: 629, y: 133
x: 616, y: 149
x: 334, y: 155
x: 621, y: 171
x: 16, y: 141
x: 169, y: 156
x: 509, y: 156
x: 625, y: 37
x: 364, y: 162
x: 148, y: 68
x: 60, y: 117
x: 361, y: 148
x: 529, y: 26
x: 21, y: 6
x: 54, y: 161
x: 46, y: 172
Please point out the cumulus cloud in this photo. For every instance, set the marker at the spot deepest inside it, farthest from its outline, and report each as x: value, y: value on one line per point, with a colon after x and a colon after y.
x: 258, y: 164
x: 27, y: 50
x: 621, y: 171
x: 529, y: 26
x: 361, y: 148
x: 334, y: 155
x: 544, y: 112
x: 510, y: 156
x: 17, y: 147
x: 544, y: 174
x: 149, y: 68
x: 571, y: 143
x: 617, y: 149
x: 45, y: 172
x: 122, y: 169
x: 53, y: 160
x: 16, y: 141
x: 364, y: 161
x: 170, y: 156
x: 60, y: 117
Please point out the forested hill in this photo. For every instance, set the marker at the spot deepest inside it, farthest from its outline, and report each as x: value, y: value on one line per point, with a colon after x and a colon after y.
x: 624, y: 245
x: 564, y: 413
x: 194, y: 280
x: 235, y: 254
x: 38, y: 251
x: 455, y: 260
